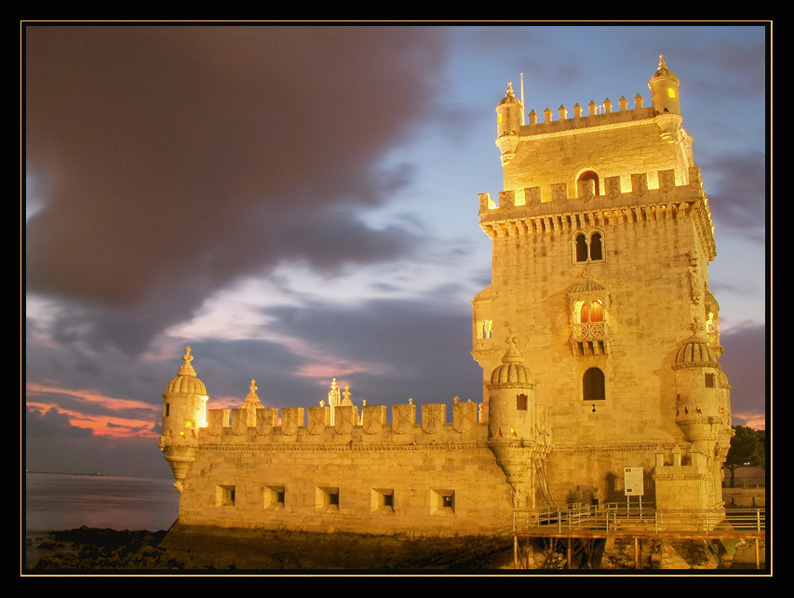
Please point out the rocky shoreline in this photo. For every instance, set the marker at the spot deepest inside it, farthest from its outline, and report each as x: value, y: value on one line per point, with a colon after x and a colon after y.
x: 188, y: 549
x: 105, y: 551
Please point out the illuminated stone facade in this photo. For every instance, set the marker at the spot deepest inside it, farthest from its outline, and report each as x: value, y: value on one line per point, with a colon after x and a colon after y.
x: 598, y: 338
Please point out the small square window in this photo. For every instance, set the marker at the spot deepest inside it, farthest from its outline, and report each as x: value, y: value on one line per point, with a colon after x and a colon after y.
x: 709, y: 380
x: 225, y: 496
x: 442, y: 501
x: 275, y: 497
x: 521, y: 402
x: 382, y: 499
x: 327, y: 498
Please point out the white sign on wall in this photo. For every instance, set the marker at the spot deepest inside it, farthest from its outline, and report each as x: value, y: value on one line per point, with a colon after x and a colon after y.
x: 632, y: 481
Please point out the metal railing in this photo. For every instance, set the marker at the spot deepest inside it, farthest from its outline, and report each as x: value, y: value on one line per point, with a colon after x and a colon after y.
x: 614, y: 517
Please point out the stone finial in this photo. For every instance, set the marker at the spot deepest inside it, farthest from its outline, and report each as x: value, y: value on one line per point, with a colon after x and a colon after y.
x: 334, y: 395
x: 563, y: 112
x: 251, y: 400
x: 533, y: 117
x: 252, y: 391
x: 187, y: 367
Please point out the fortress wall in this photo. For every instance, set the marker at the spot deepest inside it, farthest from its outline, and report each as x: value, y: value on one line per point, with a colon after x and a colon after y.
x: 254, y: 469
x: 432, y: 489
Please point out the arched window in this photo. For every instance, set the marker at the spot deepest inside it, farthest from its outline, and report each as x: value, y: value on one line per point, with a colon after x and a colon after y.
x: 590, y: 176
x: 581, y: 248
x: 595, y: 247
x: 593, y: 385
x: 596, y: 311
x: 588, y: 311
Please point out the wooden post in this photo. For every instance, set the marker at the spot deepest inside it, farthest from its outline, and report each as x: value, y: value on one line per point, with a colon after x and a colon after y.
x: 515, y: 552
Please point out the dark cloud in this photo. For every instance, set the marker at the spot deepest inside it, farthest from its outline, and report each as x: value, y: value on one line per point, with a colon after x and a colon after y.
x: 418, y: 349
x: 51, y: 423
x: 737, y: 188
x: 176, y: 159
x: 745, y: 364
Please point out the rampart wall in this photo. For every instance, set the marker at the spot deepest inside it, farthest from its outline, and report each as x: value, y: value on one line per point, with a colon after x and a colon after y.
x: 434, y: 477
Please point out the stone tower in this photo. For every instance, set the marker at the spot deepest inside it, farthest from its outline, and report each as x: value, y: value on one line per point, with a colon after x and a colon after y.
x: 601, y: 240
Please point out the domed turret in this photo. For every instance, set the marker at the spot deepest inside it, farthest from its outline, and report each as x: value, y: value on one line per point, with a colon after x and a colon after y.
x: 702, y: 392
x: 512, y: 434
x: 509, y: 118
x: 512, y: 371
x: 664, y: 90
x: 186, y: 382
x: 184, y: 413
x: 695, y: 352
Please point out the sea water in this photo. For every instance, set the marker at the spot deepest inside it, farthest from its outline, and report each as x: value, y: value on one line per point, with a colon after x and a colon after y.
x: 56, y: 502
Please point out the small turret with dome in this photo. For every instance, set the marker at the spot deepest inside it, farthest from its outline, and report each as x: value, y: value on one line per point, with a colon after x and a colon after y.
x: 664, y: 89
x: 702, y: 392
x: 184, y: 412
x: 509, y: 118
x: 511, y: 423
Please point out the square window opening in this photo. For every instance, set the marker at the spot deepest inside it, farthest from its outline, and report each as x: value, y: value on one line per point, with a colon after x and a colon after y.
x: 275, y: 497
x: 382, y: 499
x: 442, y: 501
x: 225, y: 496
x: 327, y: 499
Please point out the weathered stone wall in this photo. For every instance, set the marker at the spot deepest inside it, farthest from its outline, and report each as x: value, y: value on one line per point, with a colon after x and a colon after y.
x: 414, y: 482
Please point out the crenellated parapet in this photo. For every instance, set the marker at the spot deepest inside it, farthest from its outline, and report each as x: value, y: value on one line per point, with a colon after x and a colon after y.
x: 688, y: 480
x: 681, y: 464
x: 593, y: 115
x: 411, y: 425
x: 636, y: 198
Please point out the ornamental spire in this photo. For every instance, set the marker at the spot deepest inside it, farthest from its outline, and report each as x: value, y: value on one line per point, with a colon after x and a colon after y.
x: 187, y: 368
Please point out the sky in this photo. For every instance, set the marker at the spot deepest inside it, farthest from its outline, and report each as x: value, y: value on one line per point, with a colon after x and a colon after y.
x: 299, y: 203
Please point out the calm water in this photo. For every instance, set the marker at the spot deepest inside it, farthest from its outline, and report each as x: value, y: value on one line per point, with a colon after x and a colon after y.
x: 60, y: 501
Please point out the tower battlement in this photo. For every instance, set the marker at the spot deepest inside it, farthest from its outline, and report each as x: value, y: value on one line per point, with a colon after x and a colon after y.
x: 659, y: 187
x: 576, y: 118
x: 313, y: 426
x: 641, y: 197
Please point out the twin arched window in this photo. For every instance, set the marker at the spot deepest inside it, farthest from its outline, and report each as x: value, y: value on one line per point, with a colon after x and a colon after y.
x: 588, y: 311
x: 589, y: 248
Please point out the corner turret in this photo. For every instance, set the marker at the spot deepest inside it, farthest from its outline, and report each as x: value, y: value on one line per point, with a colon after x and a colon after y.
x: 509, y: 118
x: 517, y: 433
x: 184, y: 412
x: 702, y: 396
x: 664, y: 90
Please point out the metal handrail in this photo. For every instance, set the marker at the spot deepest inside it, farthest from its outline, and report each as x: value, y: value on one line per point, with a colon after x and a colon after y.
x: 612, y: 516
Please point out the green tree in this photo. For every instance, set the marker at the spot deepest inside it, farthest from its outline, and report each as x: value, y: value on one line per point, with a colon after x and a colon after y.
x: 748, y: 447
